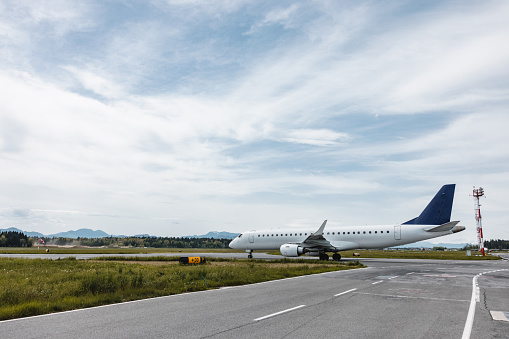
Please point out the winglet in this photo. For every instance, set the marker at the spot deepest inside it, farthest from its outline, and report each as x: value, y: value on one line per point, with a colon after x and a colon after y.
x: 320, y: 230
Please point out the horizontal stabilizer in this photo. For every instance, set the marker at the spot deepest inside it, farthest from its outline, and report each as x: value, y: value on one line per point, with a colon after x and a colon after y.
x: 443, y: 228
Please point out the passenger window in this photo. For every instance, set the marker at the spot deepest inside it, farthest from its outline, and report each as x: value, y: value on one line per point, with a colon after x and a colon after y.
x: 348, y: 232
x: 369, y: 232
x: 301, y: 234
x: 375, y: 232
x: 258, y: 235
x: 364, y: 232
x: 359, y: 232
x: 328, y: 233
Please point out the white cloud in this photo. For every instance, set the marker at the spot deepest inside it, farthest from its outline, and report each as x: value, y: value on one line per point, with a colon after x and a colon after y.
x: 164, y: 120
x: 96, y: 83
x: 317, y: 137
x: 278, y: 16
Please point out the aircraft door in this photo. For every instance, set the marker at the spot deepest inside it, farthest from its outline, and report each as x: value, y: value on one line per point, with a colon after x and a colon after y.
x: 397, y: 232
x: 251, y: 237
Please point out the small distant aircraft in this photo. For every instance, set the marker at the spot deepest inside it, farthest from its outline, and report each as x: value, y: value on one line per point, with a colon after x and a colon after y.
x: 433, y: 222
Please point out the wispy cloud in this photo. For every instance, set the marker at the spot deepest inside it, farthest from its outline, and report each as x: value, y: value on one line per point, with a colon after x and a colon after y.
x: 273, y: 113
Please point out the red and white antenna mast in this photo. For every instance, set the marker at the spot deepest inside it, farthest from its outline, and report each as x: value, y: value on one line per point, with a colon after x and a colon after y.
x: 480, y: 241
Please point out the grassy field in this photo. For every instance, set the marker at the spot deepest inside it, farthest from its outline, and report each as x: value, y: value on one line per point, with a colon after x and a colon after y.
x: 39, y: 286
x: 401, y: 254
x: 111, y: 250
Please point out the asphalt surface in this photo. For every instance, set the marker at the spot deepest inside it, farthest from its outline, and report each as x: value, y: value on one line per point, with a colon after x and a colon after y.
x: 392, y: 298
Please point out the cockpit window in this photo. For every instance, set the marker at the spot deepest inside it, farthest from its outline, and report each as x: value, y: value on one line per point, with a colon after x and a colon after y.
x: 240, y: 236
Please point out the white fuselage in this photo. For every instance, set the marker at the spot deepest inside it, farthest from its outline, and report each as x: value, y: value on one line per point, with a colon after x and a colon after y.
x: 343, y: 238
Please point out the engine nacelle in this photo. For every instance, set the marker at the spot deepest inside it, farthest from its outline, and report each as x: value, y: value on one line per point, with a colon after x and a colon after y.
x: 291, y: 250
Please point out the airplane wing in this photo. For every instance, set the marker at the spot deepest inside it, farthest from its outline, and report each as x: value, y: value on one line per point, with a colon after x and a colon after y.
x: 317, y: 241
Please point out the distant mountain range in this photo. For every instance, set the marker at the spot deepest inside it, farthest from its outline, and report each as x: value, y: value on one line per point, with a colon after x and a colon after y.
x: 81, y: 233
x: 215, y: 234
x: 88, y: 233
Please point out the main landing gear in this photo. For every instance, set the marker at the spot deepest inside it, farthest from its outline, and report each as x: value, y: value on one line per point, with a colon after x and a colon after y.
x: 336, y: 257
x: 325, y: 257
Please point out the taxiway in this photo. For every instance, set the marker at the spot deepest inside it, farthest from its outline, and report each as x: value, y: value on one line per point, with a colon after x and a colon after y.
x: 390, y: 298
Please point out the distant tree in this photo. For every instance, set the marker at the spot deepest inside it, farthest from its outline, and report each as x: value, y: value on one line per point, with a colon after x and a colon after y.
x: 14, y: 239
x: 470, y: 247
x: 498, y: 244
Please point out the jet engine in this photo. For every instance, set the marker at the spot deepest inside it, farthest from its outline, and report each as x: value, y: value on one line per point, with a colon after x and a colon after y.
x: 291, y: 250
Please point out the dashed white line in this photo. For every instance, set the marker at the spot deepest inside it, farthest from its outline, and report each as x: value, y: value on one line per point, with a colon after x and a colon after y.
x: 345, y: 292
x: 278, y: 313
x: 377, y: 282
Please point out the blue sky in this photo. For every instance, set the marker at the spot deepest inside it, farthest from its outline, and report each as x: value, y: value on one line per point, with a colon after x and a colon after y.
x: 181, y: 117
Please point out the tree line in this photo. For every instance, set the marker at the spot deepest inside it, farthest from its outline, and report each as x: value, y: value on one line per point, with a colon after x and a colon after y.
x: 497, y: 244
x: 14, y: 239
x: 157, y: 242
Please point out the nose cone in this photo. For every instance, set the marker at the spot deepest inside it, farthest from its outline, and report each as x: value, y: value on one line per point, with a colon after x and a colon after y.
x: 233, y: 243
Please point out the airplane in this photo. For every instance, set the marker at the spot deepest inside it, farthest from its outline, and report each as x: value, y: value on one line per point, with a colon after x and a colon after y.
x: 433, y: 222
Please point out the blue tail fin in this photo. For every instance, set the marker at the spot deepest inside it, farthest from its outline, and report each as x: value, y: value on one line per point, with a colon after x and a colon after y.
x: 439, y: 209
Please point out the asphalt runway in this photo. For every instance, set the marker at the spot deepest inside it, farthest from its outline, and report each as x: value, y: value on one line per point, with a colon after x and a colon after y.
x: 392, y: 298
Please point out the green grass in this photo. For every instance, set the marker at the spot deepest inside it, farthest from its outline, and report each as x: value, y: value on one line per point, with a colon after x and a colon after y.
x: 39, y: 286
x: 111, y: 250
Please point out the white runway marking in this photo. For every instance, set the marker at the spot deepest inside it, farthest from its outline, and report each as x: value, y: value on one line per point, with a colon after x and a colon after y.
x: 278, y: 313
x: 499, y: 315
x: 345, y: 292
x: 467, y: 331
x: 377, y: 282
